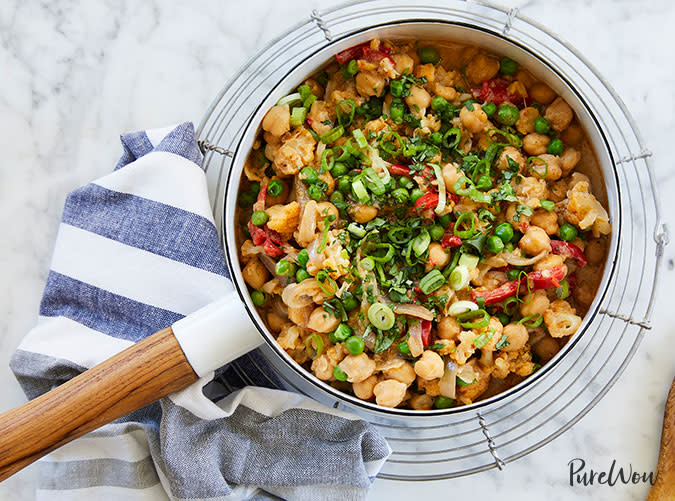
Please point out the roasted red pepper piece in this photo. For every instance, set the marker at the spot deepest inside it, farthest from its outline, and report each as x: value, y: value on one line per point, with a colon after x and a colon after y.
x: 269, y: 239
x: 427, y: 201
x: 496, y: 91
x: 351, y: 53
x: 258, y: 235
x: 375, y: 56
x: 426, y: 332
x: 541, y: 279
x: 400, y: 170
x: 450, y: 241
x: 567, y: 249
x: 272, y: 249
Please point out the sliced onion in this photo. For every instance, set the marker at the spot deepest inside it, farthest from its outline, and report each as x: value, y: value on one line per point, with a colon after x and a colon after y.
x: 441, y: 188
x: 467, y: 373
x: 302, y: 294
x: 461, y: 307
x: 268, y: 262
x: 379, y: 165
x: 415, y: 340
x: 301, y: 194
x: 448, y: 383
x: 307, y: 226
x: 515, y: 260
x: 414, y: 310
x: 248, y: 249
x: 392, y: 363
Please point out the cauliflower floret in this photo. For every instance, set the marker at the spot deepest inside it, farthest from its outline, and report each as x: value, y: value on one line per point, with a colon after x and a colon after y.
x: 467, y: 394
x: 561, y: 319
x: 289, y: 339
x: 584, y: 210
x: 333, y: 258
x: 465, y: 348
x: 296, y: 150
x: 319, y: 113
x: 518, y: 362
x: 284, y: 218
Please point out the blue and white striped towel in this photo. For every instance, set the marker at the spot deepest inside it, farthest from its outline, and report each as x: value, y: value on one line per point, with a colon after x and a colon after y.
x: 136, y: 251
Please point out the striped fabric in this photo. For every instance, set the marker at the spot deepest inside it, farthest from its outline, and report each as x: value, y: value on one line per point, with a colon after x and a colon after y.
x: 136, y: 251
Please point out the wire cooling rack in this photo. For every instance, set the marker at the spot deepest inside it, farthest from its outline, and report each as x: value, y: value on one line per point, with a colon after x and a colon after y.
x: 436, y: 447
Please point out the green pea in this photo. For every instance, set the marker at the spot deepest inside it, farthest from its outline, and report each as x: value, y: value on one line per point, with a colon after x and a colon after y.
x: 513, y: 274
x: 315, y: 193
x: 255, y: 187
x: 349, y: 301
x: 344, y: 185
x: 339, y: 374
x: 436, y: 138
x: 439, y: 103
x: 303, y: 257
x: 568, y: 232
x: 504, y: 231
x: 541, y: 126
x: 342, y: 332
x: 436, y: 231
x: 503, y: 318
x: 309, y: 175
x: 396, y: 110
x: 401, y: 195
x: 285, y: 268
x: 396, y: 88
x: 246, y: 199
x: 339, y: 169
x: 489, y: 109
x: 355, y: 345
x: 301, y: 275
x: 336, y: 196
x: 507, y: 114
x: 259, y: 298
x: 494, y: 244
x: 259, y: 217
x: 555, y: 147
x: 403, y: 348
x: 415, y: 194
x: 275, y: 187
x: 445, y: 220
x: 406, y: 183
x: 442, y: 402
x: 428, y: 55
x: 508, y: 66
x: 352, y: 68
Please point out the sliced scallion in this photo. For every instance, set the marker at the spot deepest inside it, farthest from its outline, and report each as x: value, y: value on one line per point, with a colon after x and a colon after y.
x: 432, y: 281
x: 381, y: 316
x: 290, y: 100
x: 332, y: 135
x: 360, y: 138
x: 360, y: 191
x: 459, y: 278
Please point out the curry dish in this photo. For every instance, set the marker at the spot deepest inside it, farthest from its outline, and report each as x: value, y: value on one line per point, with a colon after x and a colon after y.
x: 422, y: 224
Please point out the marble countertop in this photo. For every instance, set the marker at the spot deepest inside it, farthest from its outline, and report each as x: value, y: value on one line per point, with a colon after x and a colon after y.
x: 75, y: 74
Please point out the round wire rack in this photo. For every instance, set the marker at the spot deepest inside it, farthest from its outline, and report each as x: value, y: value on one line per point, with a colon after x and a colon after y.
x: 439, y: 447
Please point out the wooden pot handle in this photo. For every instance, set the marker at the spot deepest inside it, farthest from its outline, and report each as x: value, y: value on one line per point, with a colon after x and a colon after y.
x: 143, y: 373
x: 664, y: 487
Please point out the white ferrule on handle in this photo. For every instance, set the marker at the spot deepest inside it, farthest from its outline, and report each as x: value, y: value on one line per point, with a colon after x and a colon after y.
x: 216, y: 334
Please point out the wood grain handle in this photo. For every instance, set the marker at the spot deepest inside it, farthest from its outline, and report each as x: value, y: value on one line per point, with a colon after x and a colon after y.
x: 132, y: 379
x: 664, y: 487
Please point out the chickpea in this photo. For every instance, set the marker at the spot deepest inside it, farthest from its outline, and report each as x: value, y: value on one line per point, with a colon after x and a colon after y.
x: 319, y: 113
x: 525, y: 123
x: 558, y: 190
x: 552, y: 169
x: 448, y: 328
x: 277, y: 120
x: 569, y: 160
x: 275, y: 321
x: 357, y: 367
x: 536, y: 144
x: 559, y: 114
x: 572, y: 135
x: 389, y: 393
x: 281, y: 198
x: 542, y: 93
x: 255, y: 274
x: 418, y: 98
x: 550, y: 261
x: 535, y: 302
x: 516, y: 335
x: 474, y: 120
x: 364, y: 389
x: 364, y: 213
x: 430, y: 365
x: 548, y: 221
x: 482, y: 68
x: 445, y: 91
x: 323, y: 367
x: 321, y: 321
x: 510, y: 216
x: 546, y: 348
x: 405, y: 373
x: 427, y: 71
x: 535, y: 241
x: 514, y: 154
x: 369, y: 83
x: 421, y: 402
x: 326, y: 209
x: 451, y: 175
x: 595, y: 252
x: 437, y: 255
x: 404, y: 63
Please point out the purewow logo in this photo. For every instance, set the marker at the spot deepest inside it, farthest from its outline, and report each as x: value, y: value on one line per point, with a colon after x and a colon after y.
x: 580, y: 476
